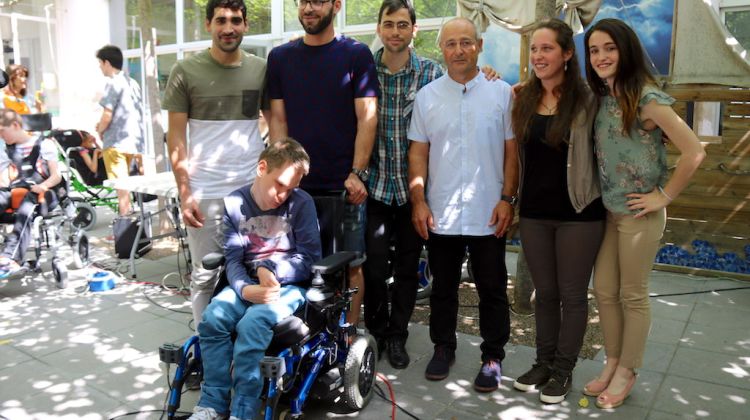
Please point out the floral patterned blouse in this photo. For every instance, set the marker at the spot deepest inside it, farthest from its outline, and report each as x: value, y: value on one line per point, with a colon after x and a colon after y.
x: 632, y: 163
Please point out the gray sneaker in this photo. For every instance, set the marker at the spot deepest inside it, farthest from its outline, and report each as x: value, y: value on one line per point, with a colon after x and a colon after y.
x: 557, y: 388
x: 534, y: 378
x: 206, y: 413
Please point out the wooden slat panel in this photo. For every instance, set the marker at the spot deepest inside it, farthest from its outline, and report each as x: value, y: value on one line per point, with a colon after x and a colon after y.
x: 706, y: 93
x: 737, y: 108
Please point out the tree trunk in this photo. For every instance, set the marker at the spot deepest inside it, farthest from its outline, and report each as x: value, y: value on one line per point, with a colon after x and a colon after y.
x: 523, y: 289
x: 152, y: 95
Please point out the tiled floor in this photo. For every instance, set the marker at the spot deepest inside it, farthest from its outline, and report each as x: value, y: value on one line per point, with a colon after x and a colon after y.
x: 76, y: 354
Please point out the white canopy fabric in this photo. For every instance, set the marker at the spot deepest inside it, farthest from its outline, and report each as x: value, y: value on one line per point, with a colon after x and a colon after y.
x: 705, y: 52
x: 519, y: 15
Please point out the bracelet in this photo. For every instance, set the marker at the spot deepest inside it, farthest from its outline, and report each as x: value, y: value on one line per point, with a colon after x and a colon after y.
x: 664, y: 193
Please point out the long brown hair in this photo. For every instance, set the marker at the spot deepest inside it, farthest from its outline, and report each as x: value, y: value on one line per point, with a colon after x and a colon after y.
x: 570, y: 92
x: 632, y: 72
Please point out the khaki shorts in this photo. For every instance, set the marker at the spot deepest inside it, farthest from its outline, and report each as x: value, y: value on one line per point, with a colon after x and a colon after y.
x: 117, y: 163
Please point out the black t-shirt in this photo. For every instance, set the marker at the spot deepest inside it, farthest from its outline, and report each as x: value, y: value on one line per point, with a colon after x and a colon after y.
x: 544, y: 193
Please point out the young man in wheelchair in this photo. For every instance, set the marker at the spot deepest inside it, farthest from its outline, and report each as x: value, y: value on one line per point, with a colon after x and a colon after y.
x: 271, y: 241
x: 34, y: 176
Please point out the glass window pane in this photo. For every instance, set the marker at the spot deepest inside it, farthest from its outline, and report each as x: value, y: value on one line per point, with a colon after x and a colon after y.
x: 291, y: 17
x: 433, y: 8
x: 162, y: 18
x: 164, y: 64
x: 134, y: 69
x: 358, y: 12
x: 366, y: 39
x: 258, y: 19
x: 738, y: 23
x: 426, y: 45
x: 38, y: 56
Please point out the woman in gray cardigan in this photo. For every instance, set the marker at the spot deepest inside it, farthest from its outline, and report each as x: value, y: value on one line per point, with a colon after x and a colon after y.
x: 561, y: 212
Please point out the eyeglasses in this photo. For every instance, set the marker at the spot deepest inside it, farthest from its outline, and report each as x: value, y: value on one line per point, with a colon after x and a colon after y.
x: 402, y: 26
x: 316, y: 4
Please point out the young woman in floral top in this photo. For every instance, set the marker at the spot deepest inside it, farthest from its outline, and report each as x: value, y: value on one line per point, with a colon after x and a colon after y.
x: 636, y: 189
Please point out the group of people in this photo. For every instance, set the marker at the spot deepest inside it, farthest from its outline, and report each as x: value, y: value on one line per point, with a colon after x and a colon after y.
x: 425, y: 157
x: 29, y: 172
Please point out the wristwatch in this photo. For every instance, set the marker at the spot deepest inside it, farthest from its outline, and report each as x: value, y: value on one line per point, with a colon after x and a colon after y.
x: 362, y: 174
x: 512, y: 199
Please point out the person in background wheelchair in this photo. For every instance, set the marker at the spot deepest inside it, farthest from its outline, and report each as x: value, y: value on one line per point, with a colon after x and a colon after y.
x: 34, y: 161
x: 89, y: 161
x: 271, y: 241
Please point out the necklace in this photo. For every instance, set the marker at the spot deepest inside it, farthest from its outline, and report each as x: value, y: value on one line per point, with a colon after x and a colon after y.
x: 550, y: 110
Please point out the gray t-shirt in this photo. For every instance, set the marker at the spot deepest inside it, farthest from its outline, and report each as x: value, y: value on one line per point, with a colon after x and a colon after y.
x: 222, y: 104
x: 125, y: 132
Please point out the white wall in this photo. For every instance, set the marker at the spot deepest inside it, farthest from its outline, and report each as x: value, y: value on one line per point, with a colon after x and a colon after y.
x: 82, y: 28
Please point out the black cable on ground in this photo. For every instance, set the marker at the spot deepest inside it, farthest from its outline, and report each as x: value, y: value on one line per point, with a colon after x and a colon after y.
x: 698, y: 292
x: 184, y: 414
x: 380, y: 393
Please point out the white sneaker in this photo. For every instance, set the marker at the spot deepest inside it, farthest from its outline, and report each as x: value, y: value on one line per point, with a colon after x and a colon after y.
x: 206, y: 413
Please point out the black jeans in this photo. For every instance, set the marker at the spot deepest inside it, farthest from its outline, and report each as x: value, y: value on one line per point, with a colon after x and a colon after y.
x: 561, y: 256
x: 487, y: 256
x: 383, y: 223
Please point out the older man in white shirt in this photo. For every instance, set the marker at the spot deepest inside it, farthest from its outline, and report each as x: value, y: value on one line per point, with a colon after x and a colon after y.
x: 462, y: 149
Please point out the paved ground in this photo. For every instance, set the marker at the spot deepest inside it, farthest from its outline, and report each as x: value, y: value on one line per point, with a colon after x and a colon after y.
x: 76, y: 354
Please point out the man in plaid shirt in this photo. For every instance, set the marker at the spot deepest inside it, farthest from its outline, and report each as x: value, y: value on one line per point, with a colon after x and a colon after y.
x: 401, y: 74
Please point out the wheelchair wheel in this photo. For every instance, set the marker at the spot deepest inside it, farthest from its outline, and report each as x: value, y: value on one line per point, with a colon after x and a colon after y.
x: 60, y: 272
x: 424, y: 285
x: 80, y: 246
x: 85, y: 217
x: 359, y: 372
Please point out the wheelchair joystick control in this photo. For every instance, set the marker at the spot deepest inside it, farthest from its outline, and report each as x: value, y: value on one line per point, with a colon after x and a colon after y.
x: 170, y: 353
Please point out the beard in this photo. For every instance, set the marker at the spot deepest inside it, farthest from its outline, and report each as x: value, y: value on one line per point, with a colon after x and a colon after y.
x: 230, y: 47
x: 320, y: 26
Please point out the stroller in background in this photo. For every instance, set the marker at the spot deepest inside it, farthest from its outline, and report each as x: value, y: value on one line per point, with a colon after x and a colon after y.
x: 86, y: 193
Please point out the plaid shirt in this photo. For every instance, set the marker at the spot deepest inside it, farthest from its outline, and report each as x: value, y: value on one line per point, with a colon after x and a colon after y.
x: 389, y: 179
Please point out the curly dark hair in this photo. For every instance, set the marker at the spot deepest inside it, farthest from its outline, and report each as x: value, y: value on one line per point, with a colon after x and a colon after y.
x: 229, y: 4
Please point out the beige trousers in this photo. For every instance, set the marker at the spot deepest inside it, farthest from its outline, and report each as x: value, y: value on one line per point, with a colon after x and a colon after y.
x: 621, y: 283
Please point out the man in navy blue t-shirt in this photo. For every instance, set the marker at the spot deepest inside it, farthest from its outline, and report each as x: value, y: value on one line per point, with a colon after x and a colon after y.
x: 323, y: 89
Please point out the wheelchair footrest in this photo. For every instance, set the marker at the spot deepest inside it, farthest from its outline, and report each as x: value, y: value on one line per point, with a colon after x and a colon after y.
x: 272, y: 367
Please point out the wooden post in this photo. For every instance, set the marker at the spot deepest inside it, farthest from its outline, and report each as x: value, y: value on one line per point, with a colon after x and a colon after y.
x: 145, y: 10
x: 523, y: 288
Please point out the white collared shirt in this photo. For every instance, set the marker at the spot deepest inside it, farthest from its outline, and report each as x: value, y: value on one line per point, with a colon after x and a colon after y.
x: 466, y: 127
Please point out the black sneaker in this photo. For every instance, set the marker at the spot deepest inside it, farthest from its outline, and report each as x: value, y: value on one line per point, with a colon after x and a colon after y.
x: 488, y: 378
x: 557, y: 388
x: 397, y: 354
x: 534, y: 378
x: 440, y: 364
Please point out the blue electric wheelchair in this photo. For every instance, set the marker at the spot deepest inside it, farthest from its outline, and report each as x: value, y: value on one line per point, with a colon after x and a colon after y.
x: 314, y: 351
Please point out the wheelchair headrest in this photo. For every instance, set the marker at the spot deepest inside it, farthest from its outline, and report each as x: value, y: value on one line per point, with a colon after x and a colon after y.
x: 3, y: 79
x: 37, y: 122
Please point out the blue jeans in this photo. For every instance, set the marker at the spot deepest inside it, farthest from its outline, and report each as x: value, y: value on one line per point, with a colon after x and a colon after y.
x: 227, y: 313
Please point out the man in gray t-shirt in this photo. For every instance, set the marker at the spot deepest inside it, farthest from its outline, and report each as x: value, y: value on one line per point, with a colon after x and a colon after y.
x: 121, y: 125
